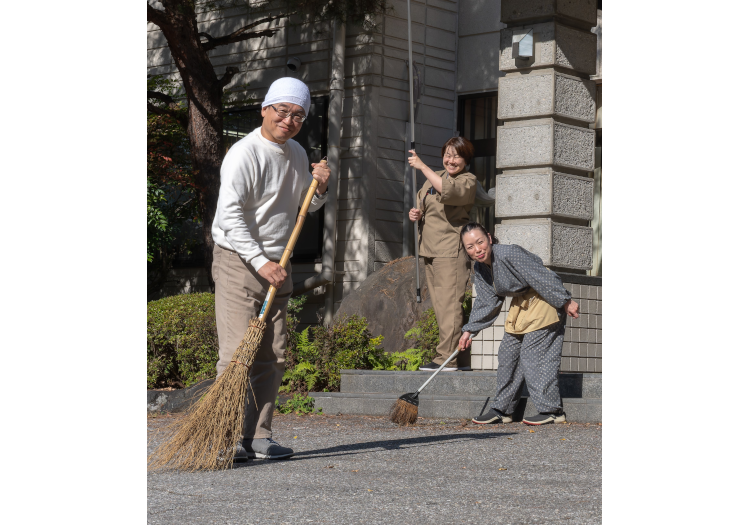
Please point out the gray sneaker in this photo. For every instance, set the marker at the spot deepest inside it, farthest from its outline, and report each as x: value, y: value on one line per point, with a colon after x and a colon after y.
x: 266, y: 448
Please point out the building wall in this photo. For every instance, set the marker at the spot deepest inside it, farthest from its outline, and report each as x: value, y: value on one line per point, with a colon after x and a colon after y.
x: 478, y: 46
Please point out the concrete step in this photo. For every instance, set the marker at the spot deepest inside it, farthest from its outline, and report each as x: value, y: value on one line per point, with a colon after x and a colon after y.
x: 577, y: 410
x: 479, y: 383
x: 452, y: 394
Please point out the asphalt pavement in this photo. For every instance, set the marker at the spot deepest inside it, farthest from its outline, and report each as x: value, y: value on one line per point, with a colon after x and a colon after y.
x: 365, y: 470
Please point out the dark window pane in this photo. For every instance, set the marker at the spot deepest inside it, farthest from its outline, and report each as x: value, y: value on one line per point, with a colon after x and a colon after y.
x: 478, y: 123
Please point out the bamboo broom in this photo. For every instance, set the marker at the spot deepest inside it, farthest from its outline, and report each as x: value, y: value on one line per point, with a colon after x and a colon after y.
x: 206, y: 437
x: 406, y: 408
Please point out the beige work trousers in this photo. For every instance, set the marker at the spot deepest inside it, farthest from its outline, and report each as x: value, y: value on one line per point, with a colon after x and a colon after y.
x: 240, y: 292
x: 447, y: 279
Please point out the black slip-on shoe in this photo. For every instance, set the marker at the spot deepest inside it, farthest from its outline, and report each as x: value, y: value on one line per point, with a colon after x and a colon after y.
x: 491, y: 417
x: 240, y: 454
x: 545, y: 418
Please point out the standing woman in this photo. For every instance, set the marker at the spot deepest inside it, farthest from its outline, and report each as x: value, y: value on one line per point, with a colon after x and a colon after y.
x: 444, y: 203
x: 534, y: 329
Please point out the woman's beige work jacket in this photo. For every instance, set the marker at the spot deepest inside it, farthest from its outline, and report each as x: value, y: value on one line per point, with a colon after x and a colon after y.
x: 444, y: 214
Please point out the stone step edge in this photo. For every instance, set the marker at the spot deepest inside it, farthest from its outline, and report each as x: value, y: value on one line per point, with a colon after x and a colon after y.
x: 473, y: 373
x: 428, y: 397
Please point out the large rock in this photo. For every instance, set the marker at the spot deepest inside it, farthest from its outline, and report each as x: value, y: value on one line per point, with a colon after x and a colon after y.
x: 176, y: 400
x: 388, y: 299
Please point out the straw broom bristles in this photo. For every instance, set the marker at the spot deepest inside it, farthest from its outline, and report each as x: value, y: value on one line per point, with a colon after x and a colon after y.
x: 206, y: 437
x: 403, y: 413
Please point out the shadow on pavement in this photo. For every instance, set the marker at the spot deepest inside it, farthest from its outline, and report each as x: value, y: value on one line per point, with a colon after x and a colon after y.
x: 390, y: 444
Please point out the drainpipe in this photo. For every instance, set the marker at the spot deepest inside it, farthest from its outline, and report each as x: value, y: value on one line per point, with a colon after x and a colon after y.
x: 335, y: 111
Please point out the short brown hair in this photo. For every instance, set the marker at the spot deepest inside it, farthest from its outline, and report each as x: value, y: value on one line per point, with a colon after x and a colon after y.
x: 463, y: 147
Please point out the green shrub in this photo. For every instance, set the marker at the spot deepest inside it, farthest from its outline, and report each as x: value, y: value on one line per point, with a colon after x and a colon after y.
x: 294, y: 306
x: 466, y: 305
x: 410, y: 360
x: 320, y: 352
x: 183, y: 346
x: 290, y: 356
x: 299, y: 404
x: 425, y: 336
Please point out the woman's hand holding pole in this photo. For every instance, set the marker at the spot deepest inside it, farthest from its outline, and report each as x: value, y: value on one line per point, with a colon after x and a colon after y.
x: 416, y: 162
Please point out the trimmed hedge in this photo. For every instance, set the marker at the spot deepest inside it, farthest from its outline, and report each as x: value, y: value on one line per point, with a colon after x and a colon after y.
x: 183, y: 346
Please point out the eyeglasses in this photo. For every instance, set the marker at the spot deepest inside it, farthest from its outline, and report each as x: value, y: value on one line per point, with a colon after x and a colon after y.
x: 283, y: 113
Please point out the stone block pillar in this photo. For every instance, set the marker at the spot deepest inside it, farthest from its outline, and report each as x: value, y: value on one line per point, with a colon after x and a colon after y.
x: 545, y: 147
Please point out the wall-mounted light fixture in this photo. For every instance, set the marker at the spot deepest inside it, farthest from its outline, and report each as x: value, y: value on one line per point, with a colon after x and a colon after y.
x: 293, y: 63
x: 523, y: 44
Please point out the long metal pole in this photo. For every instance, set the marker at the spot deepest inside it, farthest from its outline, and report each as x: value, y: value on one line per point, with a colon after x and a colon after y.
x: 413, y: 146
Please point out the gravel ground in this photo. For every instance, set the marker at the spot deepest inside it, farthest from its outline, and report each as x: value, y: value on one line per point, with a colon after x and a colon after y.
x: 359, y: 469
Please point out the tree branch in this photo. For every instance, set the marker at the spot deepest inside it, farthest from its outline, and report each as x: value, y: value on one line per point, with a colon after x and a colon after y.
x: 161, y: 96
x: 227, y: 77
x: 174, y: 112
x: 156, y: 17
x: 242, y: 33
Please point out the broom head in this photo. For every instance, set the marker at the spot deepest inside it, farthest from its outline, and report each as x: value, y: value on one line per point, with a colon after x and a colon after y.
x: 404, y: 411
x: 206, y: 437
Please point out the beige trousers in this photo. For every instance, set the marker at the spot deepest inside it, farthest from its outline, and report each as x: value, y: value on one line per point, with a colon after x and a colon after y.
x: 240, y: 292
x: 447, y: 279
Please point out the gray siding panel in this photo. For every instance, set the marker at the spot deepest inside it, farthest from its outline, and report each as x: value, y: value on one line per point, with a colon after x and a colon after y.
x: 440, y: 39
x: 387, y: 251
x: 391, y: 169
x: 349, y: 230
x: 388, y: 230
x: 441, y: 20
x: 391, y: 190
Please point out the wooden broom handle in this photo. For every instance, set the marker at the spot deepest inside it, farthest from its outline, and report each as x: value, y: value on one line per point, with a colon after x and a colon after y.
x: 290, y: 245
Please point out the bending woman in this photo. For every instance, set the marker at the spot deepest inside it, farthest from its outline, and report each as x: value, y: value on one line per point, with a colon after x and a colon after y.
x: 445, y: 201
x: 534, y: 329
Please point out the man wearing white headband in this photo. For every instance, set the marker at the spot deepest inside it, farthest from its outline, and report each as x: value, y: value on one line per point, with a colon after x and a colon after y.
x: 264, y: 178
